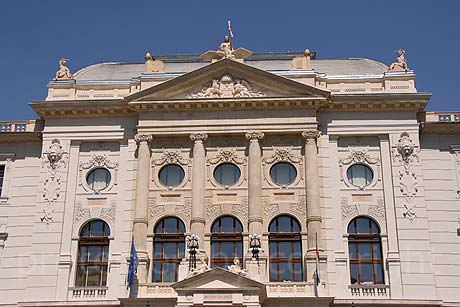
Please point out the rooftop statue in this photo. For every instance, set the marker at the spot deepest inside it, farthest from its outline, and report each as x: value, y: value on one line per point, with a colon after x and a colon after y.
x: 152, y: 65
x: 64, y: 72
x: 236, y: 268
x: 400, y: 64
x: 226, y: 50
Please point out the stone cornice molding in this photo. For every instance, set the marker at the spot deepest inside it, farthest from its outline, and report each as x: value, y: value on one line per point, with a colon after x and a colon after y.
x: 198, y: 137
x: 254, y: 135
x: 139, y: 138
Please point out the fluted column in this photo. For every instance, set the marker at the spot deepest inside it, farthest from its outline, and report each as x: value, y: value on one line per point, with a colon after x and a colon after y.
x: 312, y: 189
x: 197, y: 221
x: 141, y: 208
x: 255, y: 182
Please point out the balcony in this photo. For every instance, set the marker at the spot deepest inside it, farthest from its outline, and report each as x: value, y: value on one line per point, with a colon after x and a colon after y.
x: 88, y: 293
x: 369, y: 290
x: 21, y: 131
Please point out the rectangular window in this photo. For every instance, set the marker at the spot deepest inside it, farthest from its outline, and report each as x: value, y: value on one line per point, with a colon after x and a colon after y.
x: 2, y: 175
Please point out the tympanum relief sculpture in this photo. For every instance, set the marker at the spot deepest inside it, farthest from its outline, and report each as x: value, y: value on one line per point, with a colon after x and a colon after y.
x: 226, y: 87
x: 406, y: 154
x: 53, y: 160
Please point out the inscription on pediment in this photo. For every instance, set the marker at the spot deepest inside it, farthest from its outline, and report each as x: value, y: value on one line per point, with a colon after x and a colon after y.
x: 226, y: 87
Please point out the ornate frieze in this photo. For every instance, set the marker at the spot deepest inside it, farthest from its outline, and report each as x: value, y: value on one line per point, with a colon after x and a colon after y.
x: 299, y: 209
x: 226, y: 156
x: 282, y: 155
x: 81, y: 213
x: 377, y: 210
x: 184, y: 210
x: 226, y: 87
x: 169, y: 157
x: 406, y: 154
x: 348, y: 210
x: 109, y: 214
x: 53, y: 160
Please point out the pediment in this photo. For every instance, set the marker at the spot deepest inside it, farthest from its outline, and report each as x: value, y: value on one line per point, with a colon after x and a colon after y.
x: 227, y: 79
x: 217, y: 278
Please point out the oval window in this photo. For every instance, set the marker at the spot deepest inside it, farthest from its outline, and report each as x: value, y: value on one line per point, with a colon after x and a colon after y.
x: 360, y: 175
x: 98, y: 179
x: 283, y: 173
x: 171, y: 175
x: 227, y: 174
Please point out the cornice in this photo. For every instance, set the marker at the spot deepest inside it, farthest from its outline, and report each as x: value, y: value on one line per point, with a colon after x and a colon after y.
x: 81, y: 108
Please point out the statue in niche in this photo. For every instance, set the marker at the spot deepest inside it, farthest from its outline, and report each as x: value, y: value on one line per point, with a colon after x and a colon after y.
x: 64, y: 72
x: 400, y: 64
x: 226, y: 50
x: 236, y: 268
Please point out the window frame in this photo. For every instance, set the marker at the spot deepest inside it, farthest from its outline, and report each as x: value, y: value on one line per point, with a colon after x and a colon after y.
x: 102, y: 242
x: 366, y: 238
x: 371, y: 181
x: 164, y: 237
x: 235, y: 238
x: 7, y: 161
x: 291, y: 237
x: 94, y: 169
x: 294, y: 179
x: 169, y: 165
x: 238, y: 180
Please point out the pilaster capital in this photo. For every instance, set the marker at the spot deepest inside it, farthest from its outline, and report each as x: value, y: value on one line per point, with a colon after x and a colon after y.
x: 139, y: 138
x: 313, y: 218
x: 198, y: 137
x: 200, y: 220
x: 255, y: 219
x: 140, y: 220
x: 310, y: 136
x: 254, y: 135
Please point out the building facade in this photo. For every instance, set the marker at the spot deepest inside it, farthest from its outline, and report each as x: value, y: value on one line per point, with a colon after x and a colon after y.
x: 351, y: 187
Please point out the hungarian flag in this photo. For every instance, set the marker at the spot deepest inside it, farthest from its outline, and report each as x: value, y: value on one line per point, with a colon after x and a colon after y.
x: 316, y: 277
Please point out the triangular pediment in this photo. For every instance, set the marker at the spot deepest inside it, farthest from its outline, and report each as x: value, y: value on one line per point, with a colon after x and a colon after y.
x: 217, y: 278
x: 227, y: 79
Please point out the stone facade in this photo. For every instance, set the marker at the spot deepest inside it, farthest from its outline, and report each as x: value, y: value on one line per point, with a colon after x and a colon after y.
x: 253, y: 115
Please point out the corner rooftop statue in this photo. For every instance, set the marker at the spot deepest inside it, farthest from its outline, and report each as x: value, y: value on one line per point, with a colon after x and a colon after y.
x: 226, y: 50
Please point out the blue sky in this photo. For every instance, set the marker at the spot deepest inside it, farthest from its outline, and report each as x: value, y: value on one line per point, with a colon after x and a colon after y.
x: 35, y: 34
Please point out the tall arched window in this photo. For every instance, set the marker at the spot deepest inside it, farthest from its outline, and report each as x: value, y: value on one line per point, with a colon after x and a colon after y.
x: 93, y: 254
x: 285, y: 249
x: 168, y: 249
x: 365, y: 251
x: 226, y: 241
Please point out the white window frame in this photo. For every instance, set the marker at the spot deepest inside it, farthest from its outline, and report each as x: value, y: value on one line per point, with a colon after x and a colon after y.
x: 6, y: 159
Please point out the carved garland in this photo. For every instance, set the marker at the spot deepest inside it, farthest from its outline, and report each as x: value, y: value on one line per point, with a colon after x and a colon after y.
x: 406, y: 154
x: 283, y: 155
x: 226, y: 87
x: 53, y: 160
x: 171, y: 157
x: 97, y: 161
x: 226, y: 156
x: 359, y: 156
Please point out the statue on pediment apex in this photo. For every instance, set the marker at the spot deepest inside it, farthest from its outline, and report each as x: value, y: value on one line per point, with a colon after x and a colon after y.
x: 152, y: 65
x: 64, y: 72
x: 400, y: 64
x: 226, y: 50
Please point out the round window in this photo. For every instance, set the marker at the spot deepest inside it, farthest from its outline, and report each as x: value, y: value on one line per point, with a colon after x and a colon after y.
x: 283, y: 173
x: 171, y: 175
x: 98, y: 179
x: 360, y: 175
x: 227, y: 174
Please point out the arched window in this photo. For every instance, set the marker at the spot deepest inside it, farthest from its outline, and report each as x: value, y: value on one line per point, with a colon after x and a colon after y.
x: 285, y: 249
x: 168, y: 249
x: 93, y: 255
x: 365, y: 251
x: 226, y: 241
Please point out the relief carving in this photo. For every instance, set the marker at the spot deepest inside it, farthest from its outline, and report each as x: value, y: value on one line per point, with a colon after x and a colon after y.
x: 171, y: 157
x: 226, y: 156
x: 269, y: 208
x: 348, y: 210
x: 299, y: 209
x: 406, y: 154
x: 53, y: 160
x: 109, y: 213
x: 226, y: 87
x: 81, y: 213
x: 377, y: 210
x: 241, y: 209
x: 213, y: 210
x: 185, y: 210
x: 282, y: 154
x: 154, y: 210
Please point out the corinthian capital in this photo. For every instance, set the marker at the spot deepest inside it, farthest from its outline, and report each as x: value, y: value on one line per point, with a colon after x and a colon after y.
x: 255, y: 135
x: 139, y: 138
x: 310, y: 136
x: 198, y: 137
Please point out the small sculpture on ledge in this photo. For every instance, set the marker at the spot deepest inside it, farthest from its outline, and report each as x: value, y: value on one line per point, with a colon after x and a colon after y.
x: 302, y: 62
x: 400, y: 64
x: 64, y: 72
x: 226, y: 50
x: 152, y: 65
x: 200, y: 268
x: 236, y: 268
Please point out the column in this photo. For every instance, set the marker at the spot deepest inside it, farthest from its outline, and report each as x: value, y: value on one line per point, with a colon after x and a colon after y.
x: 312, y: 189
x: 255, y: 182
x: 198, y: 186
x: 141, y: 208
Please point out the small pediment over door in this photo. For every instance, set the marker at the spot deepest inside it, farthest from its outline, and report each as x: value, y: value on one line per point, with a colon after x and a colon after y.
x: 219, y: 285
x: 227, y: 79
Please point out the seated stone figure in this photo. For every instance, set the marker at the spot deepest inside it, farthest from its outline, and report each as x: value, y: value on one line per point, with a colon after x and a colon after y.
x: 64, y: 72
x: 236, y: 268
x: 400, y: 64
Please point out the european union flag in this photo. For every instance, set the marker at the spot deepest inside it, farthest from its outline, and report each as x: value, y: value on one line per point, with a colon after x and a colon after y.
x: 133, y: 263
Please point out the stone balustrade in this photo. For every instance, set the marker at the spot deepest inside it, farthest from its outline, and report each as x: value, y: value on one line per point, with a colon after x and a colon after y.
x: 22, y: 126
x: 89, y: 293
x: 369, y: 290
x: 160, y: 290
x: 289, y: 289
